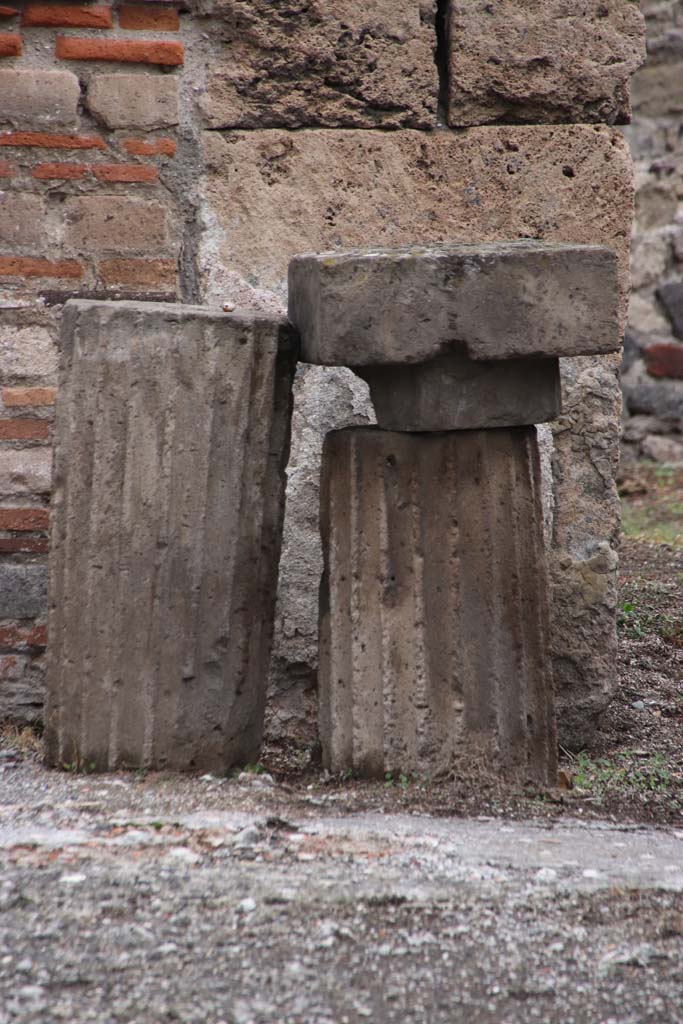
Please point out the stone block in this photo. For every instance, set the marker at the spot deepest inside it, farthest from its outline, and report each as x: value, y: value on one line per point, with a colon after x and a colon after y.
x: 22, y: 221
x: 422, y: 663
x: 559, y: 183
x: 651, y: 396
x: 133, y: 101
x: 25, y: 471
x: 114, y: 224
x: 494, y: 301
x: 644, y: 316
x: 23, y: 591
x: 172, y: 431
x: 658, y: 88
x: 667, y: 450
x: 542, y: 61
x: 336, y: 63
x: 650, y: 257
x: 568, y: 183
x: 38, y: 97
x: 453, y: 392
x: 671, y: 297
x: 22, y: 689
x: 27, y: 351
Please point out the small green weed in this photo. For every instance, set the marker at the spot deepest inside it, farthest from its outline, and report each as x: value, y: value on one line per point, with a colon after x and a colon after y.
x: 623, y: 772
x: 637, y: 622
x: 401, y: 780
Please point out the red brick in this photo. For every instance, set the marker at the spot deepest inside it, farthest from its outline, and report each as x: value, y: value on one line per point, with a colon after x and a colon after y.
x: 62, y: 172
x: 24, y: 430
x: 143, y: 273
x: 23, y: 545
x: 155, y: 147
x: 17, y: 635
x: 10, y: 45
x: 126, y: 51
x: 5, y: 169
x: 67, y: 16
x: 125, y: 172
x: 48, y: 140
x: 23, y: 519
x: 140, y: 18
x: 664, y: 359
x: 8, y: 12
x: 28, y: 396
x: 35, y: 266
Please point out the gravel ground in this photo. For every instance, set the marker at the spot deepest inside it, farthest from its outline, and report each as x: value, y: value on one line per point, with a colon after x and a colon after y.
x: 146, y: 899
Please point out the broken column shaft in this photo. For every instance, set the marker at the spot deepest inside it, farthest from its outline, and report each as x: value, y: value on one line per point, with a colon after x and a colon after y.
x: 434, y: 614
x: 171, y: 433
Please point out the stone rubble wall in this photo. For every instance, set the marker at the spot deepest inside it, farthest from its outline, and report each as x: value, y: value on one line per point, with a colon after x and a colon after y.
x: 653, y: 353
x: 151, y: 151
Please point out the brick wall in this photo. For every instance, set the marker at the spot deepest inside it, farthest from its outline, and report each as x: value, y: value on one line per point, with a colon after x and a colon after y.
x: 91, y: 203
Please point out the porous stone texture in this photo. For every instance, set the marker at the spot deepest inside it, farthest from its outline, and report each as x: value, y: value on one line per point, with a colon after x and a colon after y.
x: 434, y: 638
x: 335, y: 63
x: 133, y: 101
x: 497, y: 300
x: 585, y: 540
x: 562, y: 183
x: 171, y: 439
x: 542, y: 61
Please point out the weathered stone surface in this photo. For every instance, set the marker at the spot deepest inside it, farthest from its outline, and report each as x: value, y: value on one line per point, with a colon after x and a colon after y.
x: 496, y: 300
x: 564, y: 183
x: 23, y: 591
x: 37, y: 97
x: 21, y: 220
x: 651, y: 396
x: 658, y: 85
x: 22, y: 689
x: 453, y: 392
x: 118, y: 225
x: 668, y: 450
x: 586, y: 525
x: 324, y: 397
x: 671, y: 297
x: 645, y: 317
x: 650, y: 255
x: 419, y: 661
x: 569, y: 183
x: 27, y: 352
x: 133, y: 101
x: 335, y: 63
x: 25, y: 471
x: 547, y: 61
x: 172, y: 433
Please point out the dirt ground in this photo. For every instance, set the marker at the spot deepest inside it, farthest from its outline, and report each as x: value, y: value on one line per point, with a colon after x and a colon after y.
x: 281, y: 895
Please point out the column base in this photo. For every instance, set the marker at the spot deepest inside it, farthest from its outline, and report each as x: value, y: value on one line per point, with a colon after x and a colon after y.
x: 434, y: 639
